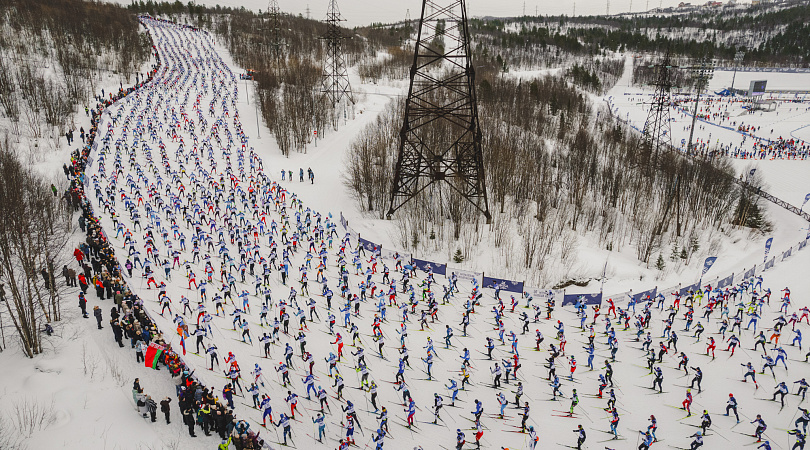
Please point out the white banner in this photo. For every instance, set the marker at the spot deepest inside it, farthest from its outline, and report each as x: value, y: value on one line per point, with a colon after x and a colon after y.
x: 542, y: 295
x: 464, y: 275
x: 390, y: 255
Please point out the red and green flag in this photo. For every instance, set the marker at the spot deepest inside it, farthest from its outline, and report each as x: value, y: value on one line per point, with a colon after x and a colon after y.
x: 152, y: 356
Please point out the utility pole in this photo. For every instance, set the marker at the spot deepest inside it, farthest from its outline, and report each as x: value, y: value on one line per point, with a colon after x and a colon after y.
x: 738, y: 58
x: 703, y: 72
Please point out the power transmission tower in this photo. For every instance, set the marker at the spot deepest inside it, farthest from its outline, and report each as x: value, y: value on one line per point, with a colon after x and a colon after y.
x: 274, y: 26
x: 440, y: 139
x: 335, y: 85
x: 656, y: 134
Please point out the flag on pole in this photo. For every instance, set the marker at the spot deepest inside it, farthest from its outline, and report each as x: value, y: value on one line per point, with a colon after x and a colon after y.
x: 806, y: 199
x: 708, y: 263
x: 767, y: 248
x: 152, y: 356
x: 183, y: 343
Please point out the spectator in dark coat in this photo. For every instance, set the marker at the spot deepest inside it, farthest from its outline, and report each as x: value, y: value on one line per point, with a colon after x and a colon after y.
x: 97, y: 313
x: 166, y: 409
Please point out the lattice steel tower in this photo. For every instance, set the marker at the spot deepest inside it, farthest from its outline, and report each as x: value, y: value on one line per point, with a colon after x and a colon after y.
x: 274, y: 26
x: 335, y: 77
x: 657, y: 134
x: 440, y: 139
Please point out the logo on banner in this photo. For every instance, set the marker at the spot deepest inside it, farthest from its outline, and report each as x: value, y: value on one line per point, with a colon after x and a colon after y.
x: 708, y: 263
x: 726, y: 281
x: 767, y: 248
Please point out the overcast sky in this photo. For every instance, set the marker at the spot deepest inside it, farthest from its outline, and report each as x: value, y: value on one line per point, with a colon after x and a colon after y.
x: 364, y: 12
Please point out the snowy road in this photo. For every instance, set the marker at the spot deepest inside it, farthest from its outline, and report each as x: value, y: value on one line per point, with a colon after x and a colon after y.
x: 191, y: 197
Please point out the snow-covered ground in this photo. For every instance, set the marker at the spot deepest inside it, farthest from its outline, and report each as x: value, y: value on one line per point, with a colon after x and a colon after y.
x: 635, y: 401
x: 84, y: 380
x: 77, y: 394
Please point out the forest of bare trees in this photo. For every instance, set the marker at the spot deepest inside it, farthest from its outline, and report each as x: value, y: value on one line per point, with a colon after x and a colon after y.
x: 35, y: 225
x: 557, y: 170
x: 286, y: 58
x: 53, y: 55
x: 54, y: 52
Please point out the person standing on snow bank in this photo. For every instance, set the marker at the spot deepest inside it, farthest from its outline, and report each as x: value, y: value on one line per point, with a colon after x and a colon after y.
x: 97, y: 314
x: 140, y: 402
x: 188, y: 419
x: 83, y: 304
x: 151, y: 407
x: 166, y: 409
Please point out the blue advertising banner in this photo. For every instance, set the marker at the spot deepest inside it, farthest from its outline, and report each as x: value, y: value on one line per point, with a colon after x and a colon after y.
x: 802, y: 244
x: 787, y: 254
x: 767, y: 248
x: 769, y: 264
x: 750, y: 273
x: 685, y: 290
x: 426, y: 266
x: 588, y: 299
x: 368, y: 245
x: 505, y: 285
x: 726, y: 281
x: 708, y: 264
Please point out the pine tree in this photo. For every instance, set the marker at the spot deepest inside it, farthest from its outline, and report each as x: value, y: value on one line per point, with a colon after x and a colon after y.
x: 458, y: 258
x: 660, y: 263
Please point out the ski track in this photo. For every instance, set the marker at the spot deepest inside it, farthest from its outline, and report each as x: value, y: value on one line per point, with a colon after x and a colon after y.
x: 131, y: 146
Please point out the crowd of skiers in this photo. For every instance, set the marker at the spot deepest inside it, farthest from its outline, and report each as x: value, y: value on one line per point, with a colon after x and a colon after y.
x: 100, y: 271
x: 245, y: 230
